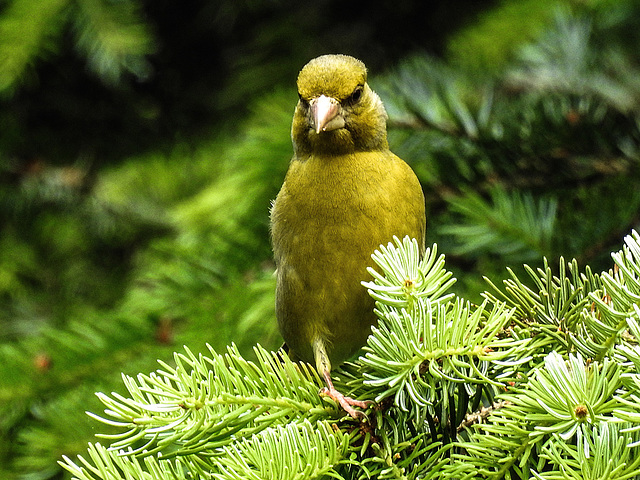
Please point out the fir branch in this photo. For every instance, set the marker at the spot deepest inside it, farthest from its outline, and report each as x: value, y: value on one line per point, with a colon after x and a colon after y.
x: 407, y: 460
x: 628, y: 350
x: 557, y: 305
x: 76, y: 350
x: 207, y: 402
x: 105, y: 464
x: 511, y: 224
x: 564, y: 395
x: 622, y: 286
x: 599, y: 453
x: 285, y: 452
x: 562, y: 400
x: 501, y: 448
x: 629, y: 410
x: 564, y: 59
x: 113, y: 37
x: 43, y: 20
x: 615, y: 304
x: 425, y: 93
x: 480, y: 415
x: 405, y: 277
x: 426, y: 363
x: 450, y: 342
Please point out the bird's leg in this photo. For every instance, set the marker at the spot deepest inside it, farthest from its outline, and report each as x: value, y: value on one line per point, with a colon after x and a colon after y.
x: 347, y: 403
x: 323, y: 365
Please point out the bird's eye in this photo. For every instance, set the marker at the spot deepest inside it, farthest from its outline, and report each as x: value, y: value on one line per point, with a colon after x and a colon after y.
x: 355, y: 96
x: 303, y: 102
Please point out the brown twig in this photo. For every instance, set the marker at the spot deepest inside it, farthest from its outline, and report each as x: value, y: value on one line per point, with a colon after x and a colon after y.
x: 480, y: 415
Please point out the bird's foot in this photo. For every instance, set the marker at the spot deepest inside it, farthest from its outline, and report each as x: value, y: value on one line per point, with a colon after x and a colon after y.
x: 347, y: 403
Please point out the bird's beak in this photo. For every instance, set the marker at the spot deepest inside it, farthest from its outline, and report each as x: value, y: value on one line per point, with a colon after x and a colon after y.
x: 326, y: 114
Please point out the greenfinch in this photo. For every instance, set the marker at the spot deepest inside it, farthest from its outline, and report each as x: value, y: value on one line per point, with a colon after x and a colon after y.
x: 343, y: 196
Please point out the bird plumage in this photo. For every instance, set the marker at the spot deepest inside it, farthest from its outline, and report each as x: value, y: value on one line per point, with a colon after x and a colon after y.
x: 344, y: 194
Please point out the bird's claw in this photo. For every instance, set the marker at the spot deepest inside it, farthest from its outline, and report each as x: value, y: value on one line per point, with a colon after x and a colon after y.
x: 347, y: 403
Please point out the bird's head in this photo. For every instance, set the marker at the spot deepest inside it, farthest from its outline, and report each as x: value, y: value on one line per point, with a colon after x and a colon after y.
x: 337, y: 112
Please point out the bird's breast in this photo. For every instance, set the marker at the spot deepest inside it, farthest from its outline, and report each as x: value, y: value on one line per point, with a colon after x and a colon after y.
x: 335, y: 188
x: 334, y: 212
x: 329, y: 217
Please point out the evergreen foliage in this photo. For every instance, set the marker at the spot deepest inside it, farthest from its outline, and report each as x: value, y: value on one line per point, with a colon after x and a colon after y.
x: 461, y: 391
x: 534, y: 157
x: 111, y: 35
x: 520, y: 158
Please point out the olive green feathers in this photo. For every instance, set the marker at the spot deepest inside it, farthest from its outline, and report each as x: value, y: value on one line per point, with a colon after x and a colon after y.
x: 344, y: 194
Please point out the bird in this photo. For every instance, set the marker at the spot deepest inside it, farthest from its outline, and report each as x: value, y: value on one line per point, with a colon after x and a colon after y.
x: 344, y: 194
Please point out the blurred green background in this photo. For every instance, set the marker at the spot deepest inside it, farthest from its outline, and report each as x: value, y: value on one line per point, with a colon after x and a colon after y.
x: 141, y: 143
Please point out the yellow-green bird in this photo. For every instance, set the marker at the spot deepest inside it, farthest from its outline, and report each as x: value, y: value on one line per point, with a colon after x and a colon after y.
x: 344, y: 195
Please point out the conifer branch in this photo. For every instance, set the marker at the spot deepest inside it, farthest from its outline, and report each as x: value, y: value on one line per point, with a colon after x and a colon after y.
x: 404, y: 278
x: 460, y: 391
x: 299, y: 451
x: 512, y: 224
x: 43, y: 21
x: 114, y: 38
x: 206, y: 402
x: 481, y: 415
